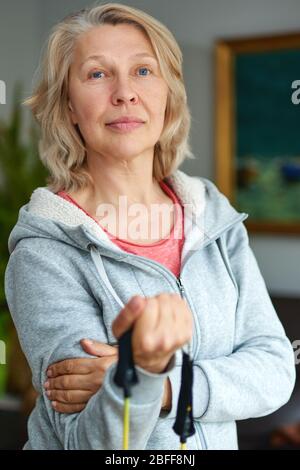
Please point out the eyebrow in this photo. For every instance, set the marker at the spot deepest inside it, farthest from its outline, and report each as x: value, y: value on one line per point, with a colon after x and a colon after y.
x: 102, y: 57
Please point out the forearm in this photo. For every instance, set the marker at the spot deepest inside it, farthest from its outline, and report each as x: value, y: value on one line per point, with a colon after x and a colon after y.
x: 100, y: 424
x: 263, y: 382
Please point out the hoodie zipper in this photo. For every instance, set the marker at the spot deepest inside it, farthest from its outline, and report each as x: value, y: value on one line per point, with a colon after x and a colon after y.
x: 182, y: 293
x: 202, y: 444
x: 180, y: 286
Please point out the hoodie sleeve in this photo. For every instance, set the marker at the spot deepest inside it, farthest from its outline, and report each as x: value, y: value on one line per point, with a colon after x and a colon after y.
x: 259, y: 376
x: 52, y: 312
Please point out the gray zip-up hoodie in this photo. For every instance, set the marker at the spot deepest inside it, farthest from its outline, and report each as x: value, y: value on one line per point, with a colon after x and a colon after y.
x: 66, y: 280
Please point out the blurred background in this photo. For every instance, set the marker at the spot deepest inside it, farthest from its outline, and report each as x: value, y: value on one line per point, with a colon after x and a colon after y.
x: 197, y: 25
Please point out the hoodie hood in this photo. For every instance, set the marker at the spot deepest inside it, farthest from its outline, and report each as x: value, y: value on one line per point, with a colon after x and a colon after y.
x: 207, y: 213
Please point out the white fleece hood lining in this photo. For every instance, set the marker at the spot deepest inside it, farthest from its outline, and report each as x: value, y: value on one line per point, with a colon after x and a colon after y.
x: 190, y: 190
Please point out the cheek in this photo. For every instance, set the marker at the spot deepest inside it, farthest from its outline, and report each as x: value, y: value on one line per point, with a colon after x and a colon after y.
x: 158, y: 102
x: 159, y: 107
x: 88, y: 117
x: 88, y: 102
x: 154, y: 94
x: 89, y: 107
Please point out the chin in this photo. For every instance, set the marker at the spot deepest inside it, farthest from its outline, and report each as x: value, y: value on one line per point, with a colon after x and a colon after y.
x: 126, y: 151
x: 128, y: 155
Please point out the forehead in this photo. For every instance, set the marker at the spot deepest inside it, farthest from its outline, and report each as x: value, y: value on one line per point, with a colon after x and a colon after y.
x: 119, y: 40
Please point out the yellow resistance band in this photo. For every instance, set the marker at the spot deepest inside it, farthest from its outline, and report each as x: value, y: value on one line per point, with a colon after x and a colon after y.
x: 126, y: 428
x: 126, y: 424
x: 183, y: 445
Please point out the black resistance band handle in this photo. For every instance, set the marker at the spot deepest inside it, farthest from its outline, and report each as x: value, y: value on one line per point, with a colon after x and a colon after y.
x: 125, y: 375
x: 184, y: 424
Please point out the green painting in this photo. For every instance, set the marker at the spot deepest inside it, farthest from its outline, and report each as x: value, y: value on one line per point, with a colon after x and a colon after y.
x: 267, y: 135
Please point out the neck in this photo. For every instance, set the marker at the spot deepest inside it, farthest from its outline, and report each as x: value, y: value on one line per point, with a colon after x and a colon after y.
x: 111, y: 180
x: 113, y: 191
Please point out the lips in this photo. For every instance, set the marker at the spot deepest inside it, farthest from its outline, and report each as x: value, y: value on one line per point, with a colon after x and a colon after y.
x: 125, y: 123
x: 125, y: 126
x: 126, y: 119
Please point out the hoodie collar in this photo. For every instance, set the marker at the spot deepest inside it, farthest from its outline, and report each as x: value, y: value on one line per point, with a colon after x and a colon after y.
x: 207, y: 213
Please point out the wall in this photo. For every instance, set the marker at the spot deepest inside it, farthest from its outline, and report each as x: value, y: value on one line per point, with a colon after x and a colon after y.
x: 19, y: 46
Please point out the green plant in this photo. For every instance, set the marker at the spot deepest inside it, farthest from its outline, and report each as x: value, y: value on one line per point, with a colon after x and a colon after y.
x: 21, y: 171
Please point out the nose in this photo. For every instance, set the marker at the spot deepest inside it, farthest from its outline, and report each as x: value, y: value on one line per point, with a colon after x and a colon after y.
x: 123, y: 93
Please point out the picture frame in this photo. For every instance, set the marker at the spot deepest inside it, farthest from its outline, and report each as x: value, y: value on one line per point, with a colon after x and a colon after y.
x: 257, y: 129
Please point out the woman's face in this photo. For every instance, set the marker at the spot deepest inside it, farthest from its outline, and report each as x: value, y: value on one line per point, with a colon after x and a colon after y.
x: 123, y: 82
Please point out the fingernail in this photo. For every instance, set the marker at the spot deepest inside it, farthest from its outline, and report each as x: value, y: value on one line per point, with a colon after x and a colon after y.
x: 134, y: 303
x: 88, y: 341
x: 46, y: 385
x: 49, y: 373
x: 53, y: 403
x: 48, y: 393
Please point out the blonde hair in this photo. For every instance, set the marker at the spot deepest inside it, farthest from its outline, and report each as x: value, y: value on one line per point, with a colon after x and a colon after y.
x: 62, y: 148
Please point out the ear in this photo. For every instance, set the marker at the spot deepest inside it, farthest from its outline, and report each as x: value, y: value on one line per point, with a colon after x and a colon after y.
x: 72, y: 113
x: 70, y: 106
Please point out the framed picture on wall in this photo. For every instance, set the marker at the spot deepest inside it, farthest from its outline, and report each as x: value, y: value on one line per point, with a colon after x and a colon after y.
x: 257, y: 117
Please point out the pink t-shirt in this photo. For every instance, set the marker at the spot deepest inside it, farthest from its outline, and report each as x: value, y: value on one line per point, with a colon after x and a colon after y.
x: 166, y: 251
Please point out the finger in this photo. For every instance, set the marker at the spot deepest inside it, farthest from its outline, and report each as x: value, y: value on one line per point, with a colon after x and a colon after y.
x: 166, y: 323
x: 64, y: 408
x: 71, y: 366
x: 90, y: 381
x: 167, y: 303
x: 96, y: 348
x: 180, y: 325
x: 69, y: 396
x: 71, y: 382
x: 143, y: 334
x: 174, y: 325
x: 128, y: 315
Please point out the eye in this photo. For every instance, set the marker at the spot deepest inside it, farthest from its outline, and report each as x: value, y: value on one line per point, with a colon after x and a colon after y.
x: 95, y: 74
x: 144, y: 68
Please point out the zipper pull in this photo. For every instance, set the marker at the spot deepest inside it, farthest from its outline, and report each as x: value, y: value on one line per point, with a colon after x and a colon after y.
x: 180, y: 286
x: 188, y: 348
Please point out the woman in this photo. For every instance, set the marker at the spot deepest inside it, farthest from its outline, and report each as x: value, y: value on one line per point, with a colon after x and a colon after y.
x: 75, y: 272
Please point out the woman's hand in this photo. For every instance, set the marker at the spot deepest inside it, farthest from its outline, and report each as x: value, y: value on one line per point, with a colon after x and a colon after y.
x: 161, y: 325
x: 76, y: 370
x: 72, y: 382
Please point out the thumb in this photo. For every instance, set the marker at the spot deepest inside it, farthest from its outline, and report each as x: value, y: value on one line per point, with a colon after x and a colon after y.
x: 98, y: 349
